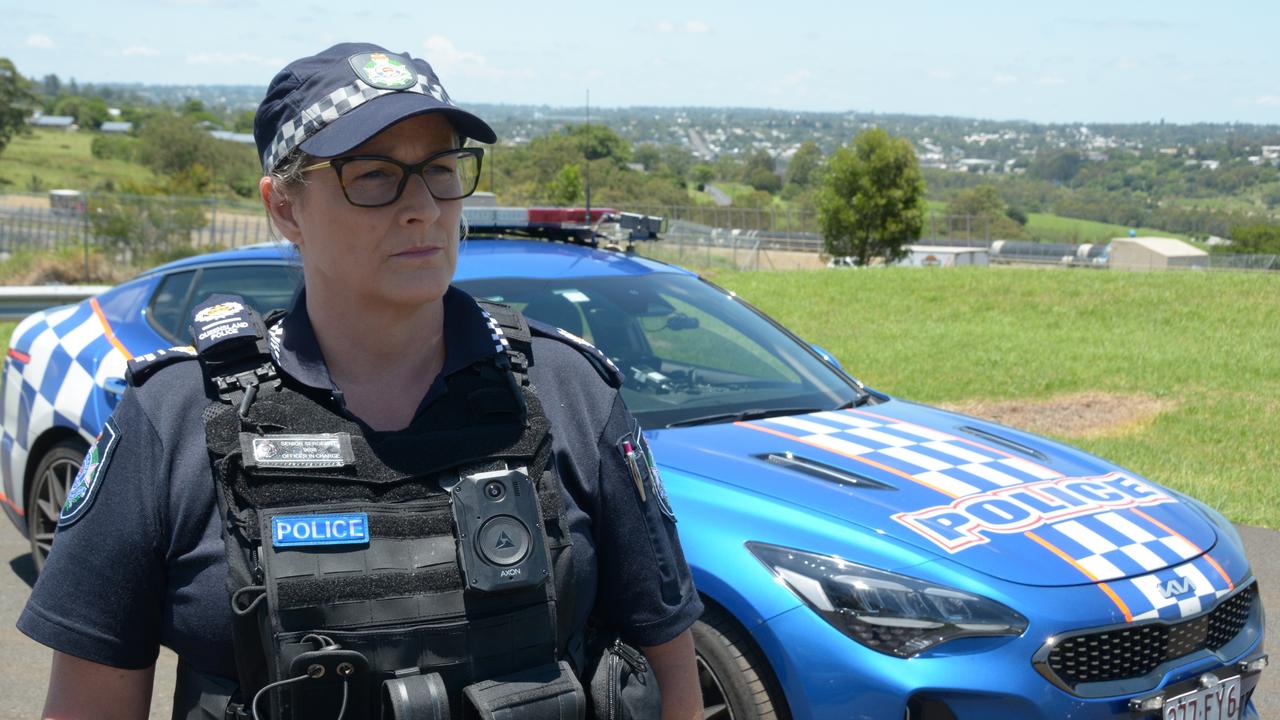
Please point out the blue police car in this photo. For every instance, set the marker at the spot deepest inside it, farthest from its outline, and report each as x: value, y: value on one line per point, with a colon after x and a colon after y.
x: 860, y: 556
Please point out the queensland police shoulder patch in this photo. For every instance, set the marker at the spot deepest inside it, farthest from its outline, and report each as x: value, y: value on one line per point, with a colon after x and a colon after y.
x: 655, y: 477
x: 85, y: 486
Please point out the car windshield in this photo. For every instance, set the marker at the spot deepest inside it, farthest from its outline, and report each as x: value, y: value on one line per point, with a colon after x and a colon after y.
x: 689, y: 353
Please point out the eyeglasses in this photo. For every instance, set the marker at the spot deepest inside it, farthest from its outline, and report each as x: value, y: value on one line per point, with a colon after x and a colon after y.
x: 376, y: 181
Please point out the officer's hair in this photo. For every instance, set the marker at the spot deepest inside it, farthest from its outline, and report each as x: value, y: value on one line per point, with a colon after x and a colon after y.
x: 288, y: 175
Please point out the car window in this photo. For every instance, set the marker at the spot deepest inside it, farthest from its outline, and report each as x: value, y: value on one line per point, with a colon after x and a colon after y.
x: 686, y: 350
x: 264, y: 287
x: 165, y: 310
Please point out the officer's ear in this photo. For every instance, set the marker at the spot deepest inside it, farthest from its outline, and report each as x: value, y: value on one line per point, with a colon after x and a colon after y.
x: 280, y: 207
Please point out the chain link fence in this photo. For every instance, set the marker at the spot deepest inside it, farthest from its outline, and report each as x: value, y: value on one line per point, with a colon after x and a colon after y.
x: 134, y: 224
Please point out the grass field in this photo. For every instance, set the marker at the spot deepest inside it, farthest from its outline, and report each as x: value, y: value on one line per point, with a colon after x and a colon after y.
x: 60, y: 159
x: 1202, y: 348
x: 1046, y: 227
x: 1055, y: 228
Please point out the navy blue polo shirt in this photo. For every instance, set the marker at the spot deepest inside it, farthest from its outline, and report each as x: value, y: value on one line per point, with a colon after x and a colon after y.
x: 143, y: 565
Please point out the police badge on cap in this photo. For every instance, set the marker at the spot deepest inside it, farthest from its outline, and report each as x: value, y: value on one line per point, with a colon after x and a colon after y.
x: 383, y: 70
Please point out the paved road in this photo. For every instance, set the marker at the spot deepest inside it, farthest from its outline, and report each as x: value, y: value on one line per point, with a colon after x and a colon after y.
x: 24, y: 665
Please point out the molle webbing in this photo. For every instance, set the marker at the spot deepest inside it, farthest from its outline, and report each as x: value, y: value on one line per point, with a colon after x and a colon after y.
x: 397, y: 598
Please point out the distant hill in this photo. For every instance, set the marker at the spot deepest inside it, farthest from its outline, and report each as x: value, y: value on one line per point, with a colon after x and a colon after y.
x: 736, y: 131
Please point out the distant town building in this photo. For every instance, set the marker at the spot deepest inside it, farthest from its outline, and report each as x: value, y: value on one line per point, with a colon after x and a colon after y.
x: 977, y: 165
x: 117, y: 127
x: 55, y: 122
x: 246, y: 138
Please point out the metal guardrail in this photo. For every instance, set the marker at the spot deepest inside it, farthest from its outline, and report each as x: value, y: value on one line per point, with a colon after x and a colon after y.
x: 18, y: 302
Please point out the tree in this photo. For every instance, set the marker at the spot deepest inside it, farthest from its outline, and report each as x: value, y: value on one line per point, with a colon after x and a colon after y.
x: 194, y: 160
x: 763, y: 180
x: 565, y: 189
x: 16, y: 102
x: 1255, y: 239
x: 648, y: 155
x: 804, y: 165
x: 597, y: 142
x: 701, y: 174
x: 871, y: 202
x: 89, y: 112
x: 1059, y: 166
x: 980, y: 211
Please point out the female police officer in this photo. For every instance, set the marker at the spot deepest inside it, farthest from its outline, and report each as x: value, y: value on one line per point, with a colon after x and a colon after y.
x: 302, y: 467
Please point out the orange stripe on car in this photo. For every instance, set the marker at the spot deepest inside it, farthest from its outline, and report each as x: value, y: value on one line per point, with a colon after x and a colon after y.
x: 10, y: 503
x: 106, y: 328
x: 1128, y: 616
x: 1175, y: 533
x: 957, y: 438
x: 19, y: 356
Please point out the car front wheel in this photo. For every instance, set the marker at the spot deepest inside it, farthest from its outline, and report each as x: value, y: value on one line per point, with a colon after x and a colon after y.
x: 49, y: 487
x: 736, y: 681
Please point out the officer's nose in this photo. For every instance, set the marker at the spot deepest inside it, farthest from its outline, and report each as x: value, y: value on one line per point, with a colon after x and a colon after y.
x: 417, y: 204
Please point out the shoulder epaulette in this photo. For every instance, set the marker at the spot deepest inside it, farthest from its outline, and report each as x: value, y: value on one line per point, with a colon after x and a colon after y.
x: 598, y: 359
x: 510, y: 333
x: 142, y: 367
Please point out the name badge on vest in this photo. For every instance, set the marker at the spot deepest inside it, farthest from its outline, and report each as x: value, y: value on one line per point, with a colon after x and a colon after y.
x: 313, y: 530
x: 330, y: 450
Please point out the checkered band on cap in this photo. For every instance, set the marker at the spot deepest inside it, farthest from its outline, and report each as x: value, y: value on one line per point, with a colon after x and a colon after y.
x: 333, y: 106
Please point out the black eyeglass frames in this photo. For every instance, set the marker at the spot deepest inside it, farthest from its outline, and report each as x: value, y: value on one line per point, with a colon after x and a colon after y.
x: 377, y: 181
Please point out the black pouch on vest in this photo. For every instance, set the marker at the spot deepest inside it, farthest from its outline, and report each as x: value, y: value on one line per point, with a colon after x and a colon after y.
x: 623, y: 685
x: 550, y: 692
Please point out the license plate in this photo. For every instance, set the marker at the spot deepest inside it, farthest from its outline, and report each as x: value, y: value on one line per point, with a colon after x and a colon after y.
x: 1220, y: 702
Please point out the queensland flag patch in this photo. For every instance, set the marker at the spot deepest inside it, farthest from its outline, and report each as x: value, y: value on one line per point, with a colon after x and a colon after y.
x: 85, y: 486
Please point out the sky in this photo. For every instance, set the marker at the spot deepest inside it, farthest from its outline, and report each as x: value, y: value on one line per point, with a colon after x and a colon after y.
x: 1078, y: 61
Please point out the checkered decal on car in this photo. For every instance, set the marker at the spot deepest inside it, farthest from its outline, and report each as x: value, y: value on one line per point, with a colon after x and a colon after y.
x: 56, y: 386
x: 337, y: 103
x: 1122, y: 548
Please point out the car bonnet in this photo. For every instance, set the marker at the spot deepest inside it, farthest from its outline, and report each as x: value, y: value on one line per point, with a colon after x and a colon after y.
x: 1004, y: 503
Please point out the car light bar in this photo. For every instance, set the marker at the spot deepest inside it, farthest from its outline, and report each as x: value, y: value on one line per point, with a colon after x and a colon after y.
x: 578, y: 225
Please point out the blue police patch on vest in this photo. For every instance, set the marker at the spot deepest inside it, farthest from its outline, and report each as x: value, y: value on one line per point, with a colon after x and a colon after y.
x: 84, y: 487
x: 316, y: 530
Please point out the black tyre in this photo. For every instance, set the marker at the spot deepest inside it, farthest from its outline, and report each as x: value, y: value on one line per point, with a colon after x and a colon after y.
x: 49, y: 486
x: 737, y: 683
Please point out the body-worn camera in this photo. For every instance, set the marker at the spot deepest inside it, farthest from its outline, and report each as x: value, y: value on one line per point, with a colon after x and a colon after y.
x: 501, y: 542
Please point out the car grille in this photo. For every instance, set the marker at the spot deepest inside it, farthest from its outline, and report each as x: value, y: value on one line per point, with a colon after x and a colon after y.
x: 1134, y: 651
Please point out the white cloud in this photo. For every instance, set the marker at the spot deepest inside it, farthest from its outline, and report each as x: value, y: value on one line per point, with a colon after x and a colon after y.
x: 941, y: 74
x: 139, y: 50
x: 40, y: 40
x: 1005, y: 79
x: 697, y: 27
x: 666, y: 26
x: 228, y: 58
x: 1051, y: 81
x: 450, y: 61
x: 1269, y: 100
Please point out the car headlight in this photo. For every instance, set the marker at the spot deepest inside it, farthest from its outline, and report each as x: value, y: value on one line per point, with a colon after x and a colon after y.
x: 887, y: 612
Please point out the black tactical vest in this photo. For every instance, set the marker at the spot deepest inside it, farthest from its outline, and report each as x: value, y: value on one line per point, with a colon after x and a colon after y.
x: 416, y: 575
